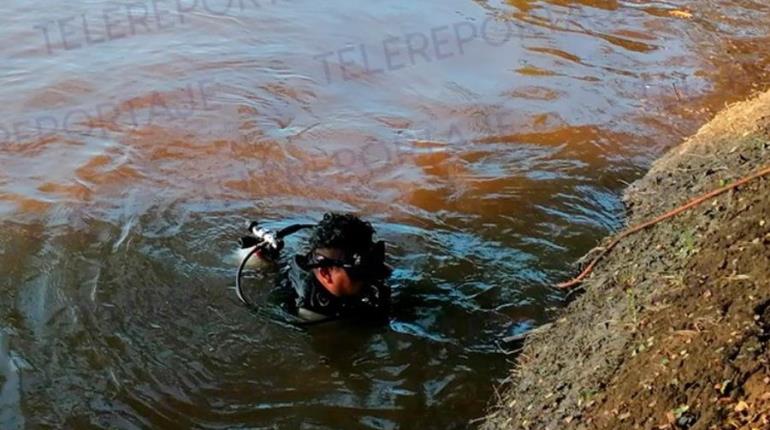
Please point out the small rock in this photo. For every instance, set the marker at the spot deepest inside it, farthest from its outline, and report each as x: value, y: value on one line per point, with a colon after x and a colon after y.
x: 686, y: 420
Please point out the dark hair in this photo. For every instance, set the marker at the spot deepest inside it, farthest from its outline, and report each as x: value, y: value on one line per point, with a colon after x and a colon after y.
x: 345, y: 232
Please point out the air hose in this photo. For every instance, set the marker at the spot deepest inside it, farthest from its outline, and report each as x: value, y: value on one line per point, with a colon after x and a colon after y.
x: 267, y: 242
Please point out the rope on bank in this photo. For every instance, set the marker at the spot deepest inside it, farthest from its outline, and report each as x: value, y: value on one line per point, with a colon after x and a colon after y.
x: 695, y: 202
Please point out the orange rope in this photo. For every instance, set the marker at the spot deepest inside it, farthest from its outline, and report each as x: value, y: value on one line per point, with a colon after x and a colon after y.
x: 695, y: 202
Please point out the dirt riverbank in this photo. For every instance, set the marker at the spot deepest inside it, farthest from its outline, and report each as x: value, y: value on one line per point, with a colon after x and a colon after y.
x: 671, y: 330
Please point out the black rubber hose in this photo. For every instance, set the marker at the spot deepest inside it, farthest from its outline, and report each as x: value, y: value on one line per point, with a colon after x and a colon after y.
x: 280, y: 235
x: 293, y: 229
x: 239, y: 275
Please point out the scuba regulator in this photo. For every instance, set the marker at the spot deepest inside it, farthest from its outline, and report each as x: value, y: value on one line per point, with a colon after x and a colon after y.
x: 368, y: 264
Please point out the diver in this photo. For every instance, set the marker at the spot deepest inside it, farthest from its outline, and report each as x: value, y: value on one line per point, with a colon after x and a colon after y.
x: 342, y: 273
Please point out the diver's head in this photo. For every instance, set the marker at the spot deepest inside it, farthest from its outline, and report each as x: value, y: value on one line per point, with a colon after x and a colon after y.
x: 343, y: 256
x: 336, y: 279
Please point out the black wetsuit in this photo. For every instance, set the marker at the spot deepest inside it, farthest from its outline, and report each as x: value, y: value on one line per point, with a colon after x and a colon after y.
x: 312, y: 302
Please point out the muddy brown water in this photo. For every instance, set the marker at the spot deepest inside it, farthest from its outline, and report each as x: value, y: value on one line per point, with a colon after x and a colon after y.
x: 487, y: 141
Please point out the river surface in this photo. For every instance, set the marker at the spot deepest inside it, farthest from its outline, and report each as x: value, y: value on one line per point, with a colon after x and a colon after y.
x: 488, y: 142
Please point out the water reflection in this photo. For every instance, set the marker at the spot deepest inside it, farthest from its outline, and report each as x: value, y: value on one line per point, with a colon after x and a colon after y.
x: 129, y: 167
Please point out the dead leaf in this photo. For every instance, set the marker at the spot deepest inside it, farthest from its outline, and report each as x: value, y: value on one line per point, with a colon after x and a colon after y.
x: 670, y: 417
x: 741, y: 406
x: 680, y: 14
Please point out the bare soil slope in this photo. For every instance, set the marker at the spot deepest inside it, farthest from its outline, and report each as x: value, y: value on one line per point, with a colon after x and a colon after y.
x: 672, y: 329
